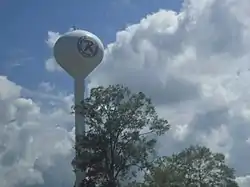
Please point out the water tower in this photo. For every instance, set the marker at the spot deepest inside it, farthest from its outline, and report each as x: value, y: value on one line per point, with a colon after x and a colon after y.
x: 78, y: 52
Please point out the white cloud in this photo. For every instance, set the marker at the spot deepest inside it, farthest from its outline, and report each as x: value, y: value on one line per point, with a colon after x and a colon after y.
x: 46, y: 86
x: 244, y: 181
x: 188, y: 64
x: 195, y: 66
x: 52, y: 38
x: 31, y: 140
x: 52, y: 66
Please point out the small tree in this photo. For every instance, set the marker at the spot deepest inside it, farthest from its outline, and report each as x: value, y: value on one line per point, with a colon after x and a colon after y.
x: 121, y: 134
x: 195, y: 166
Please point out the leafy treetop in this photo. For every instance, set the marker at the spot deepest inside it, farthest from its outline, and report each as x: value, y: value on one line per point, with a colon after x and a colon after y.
x: 121, y: 135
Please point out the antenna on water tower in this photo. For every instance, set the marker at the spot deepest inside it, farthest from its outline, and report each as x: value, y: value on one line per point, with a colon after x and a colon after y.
x: 78, y: 52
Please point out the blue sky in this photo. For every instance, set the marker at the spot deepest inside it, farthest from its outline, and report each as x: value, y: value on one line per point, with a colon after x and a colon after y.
x: 187, y: 61
x: 25, y: 25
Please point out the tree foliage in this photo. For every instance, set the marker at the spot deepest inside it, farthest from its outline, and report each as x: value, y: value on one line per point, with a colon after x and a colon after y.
x: 195, y: 166
x: 122, y: 128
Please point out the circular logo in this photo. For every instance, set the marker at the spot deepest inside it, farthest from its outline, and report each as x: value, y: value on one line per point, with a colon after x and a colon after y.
x: 87, y: 47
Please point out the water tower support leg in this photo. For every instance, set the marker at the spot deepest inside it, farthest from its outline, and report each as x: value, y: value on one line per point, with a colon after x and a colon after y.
x: 79, y: 123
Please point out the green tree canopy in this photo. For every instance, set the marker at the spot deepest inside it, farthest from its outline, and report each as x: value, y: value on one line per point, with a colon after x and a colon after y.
x: 195, y: 166
x: 121, y: 134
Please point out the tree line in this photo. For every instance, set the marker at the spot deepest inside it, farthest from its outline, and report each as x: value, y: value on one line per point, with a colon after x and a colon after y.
x: 120, y: 146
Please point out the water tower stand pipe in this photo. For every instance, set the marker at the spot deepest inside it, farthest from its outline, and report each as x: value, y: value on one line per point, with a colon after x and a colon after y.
x: 79, y: 87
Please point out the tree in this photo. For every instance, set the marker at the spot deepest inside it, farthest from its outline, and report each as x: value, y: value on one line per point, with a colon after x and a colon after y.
x: 195, y: 166
x: 121, y: 135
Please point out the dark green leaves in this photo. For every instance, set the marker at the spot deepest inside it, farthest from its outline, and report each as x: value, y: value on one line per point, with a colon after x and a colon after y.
x: 193, y: 167
x: 122, y: 128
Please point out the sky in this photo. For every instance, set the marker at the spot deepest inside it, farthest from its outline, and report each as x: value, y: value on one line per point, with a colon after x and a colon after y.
x: 191, y: 57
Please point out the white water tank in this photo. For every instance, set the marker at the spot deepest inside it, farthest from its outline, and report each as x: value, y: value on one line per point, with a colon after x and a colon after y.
x: 78, y: 52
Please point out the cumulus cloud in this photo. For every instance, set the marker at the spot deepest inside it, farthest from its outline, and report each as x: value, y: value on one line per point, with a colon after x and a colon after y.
x: 33, y: 141
x: 46, y: 86
x: 244, y: 181
x: 51, y: 64
x: 195, y: 66
x: 188, y: 63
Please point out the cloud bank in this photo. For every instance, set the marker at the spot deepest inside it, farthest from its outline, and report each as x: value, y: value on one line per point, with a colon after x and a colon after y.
x: 193, y: 63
